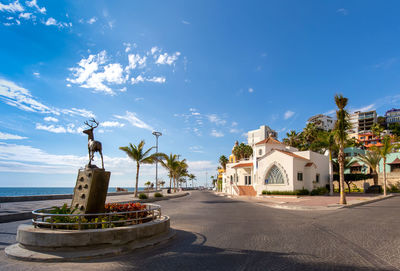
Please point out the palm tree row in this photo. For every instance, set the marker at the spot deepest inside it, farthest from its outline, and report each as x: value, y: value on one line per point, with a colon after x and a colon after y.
x: 177, y: 169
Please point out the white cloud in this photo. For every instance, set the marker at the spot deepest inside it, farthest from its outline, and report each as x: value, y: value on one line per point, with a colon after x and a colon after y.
x: 216, y: 133
x: 34, y: 4
x: 155, y: 79
x: 78, y: 112
x: 197, y: 149
x: 112, y: 124
x: 364, y: 108
x: 128, y: 46
x: 14, y: 95
x: 140, y: 79
x: 134, y: 120
x: 88, y: 76
x: 36, y: 74
x: 12, y: 7
x: 19, y: 97
x: 59, y: 129
x: 51, y: 128
x: 185, y: 22
x: 136, y: 80
x: 92, y: 20
x: 139, y: 99
x: 135, y: 60
x: 343, y: 11
x: 154, y: 50
x: 51, y: 119
x: 167, y: 59
x: 69, y: 85
x: 124, y: 89
x: 215, y: 119
x: 251, y: 90
x: 51, y: 21
x: 28, y: 159
x: 6, y: 136
x: 288, y: 114
x: 25, y: 16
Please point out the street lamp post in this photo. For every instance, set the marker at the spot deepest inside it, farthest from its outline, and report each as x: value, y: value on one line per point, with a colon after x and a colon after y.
x: 157, y: 134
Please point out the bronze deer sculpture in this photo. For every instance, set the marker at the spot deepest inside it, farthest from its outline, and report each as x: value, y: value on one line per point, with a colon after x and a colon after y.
x: 93, y: 145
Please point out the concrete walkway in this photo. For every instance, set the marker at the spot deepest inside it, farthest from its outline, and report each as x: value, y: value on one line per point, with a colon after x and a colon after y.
x: 13, y: 211
x: 310, y: 202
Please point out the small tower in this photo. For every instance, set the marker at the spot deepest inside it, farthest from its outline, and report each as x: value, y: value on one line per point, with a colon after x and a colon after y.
x: 232, y: 157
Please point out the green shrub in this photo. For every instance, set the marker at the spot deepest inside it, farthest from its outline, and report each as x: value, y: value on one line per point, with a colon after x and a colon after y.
x: 319, y: 191
x: 393, y: 189
x: 264, y: 192
x: 302, y: 192
x: 143, y: 196
x: 158, y: 195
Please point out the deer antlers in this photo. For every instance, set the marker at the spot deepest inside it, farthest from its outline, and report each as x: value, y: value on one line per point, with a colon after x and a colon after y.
x: 92, y: 125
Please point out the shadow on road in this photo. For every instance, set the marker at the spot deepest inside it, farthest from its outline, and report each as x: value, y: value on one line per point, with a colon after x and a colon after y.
x: 188, y: 251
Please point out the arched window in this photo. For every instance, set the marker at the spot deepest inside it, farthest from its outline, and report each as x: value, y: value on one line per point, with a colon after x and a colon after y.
x: 275, y: 176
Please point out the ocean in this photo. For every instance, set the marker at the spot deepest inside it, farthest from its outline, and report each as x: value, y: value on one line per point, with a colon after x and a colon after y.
x: 31, y: 191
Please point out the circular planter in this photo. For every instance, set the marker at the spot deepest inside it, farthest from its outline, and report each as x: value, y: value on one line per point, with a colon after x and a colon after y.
x: 41, y: 244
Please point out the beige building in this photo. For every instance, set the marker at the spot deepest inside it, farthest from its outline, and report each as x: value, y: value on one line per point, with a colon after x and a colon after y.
x: 275, y: 167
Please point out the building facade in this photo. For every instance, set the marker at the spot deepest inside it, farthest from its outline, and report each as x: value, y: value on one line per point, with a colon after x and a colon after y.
x: 275, y: 167
x: 392, y: 116
x: 322, y: 121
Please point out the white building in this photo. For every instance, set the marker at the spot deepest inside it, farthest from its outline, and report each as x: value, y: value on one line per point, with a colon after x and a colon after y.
x: 322, y: 121
x: 275, y: 167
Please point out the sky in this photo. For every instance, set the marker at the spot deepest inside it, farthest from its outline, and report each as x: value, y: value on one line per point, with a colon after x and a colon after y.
x: 201, y: 72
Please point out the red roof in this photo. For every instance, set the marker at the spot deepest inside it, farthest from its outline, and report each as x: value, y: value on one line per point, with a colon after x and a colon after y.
x: 309, y: 164
x: 395, y: 162
x: 269, y: 140
x: 291, y: 154
x: 243, y: 165
x: 356, y: 164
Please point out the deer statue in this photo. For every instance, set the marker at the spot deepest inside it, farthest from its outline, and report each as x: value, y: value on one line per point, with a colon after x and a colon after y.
x: 93, y: 145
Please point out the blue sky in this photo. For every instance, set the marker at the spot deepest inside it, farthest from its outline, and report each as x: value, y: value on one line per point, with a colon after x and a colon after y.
x: 201, y: 72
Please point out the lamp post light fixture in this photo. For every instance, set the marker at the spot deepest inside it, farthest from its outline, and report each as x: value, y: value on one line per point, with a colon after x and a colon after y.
x: 157, y: 134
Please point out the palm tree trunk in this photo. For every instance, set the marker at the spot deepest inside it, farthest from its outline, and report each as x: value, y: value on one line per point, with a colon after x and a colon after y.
x: 174, y: 185
x: 330, y: 174
x: 137, y: 179
x: 384, y: 176
x: 341, y: 174
x: 170, y: 184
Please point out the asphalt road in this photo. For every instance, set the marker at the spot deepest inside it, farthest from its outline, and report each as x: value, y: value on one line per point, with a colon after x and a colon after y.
x: 218, y: 233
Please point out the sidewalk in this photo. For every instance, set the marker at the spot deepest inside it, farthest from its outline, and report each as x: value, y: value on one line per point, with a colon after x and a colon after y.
x: 13, y: 211
x: 310, y: 202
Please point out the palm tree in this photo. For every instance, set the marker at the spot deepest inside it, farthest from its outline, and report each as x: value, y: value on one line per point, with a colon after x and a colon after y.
x: 387, y: 147
x: 148, y: 184
x: 223, y: 160
x: 180, y: 171
x: 341, y: 126
x: 162, y: 183
x: 191, y: 178
x: 371, y: 158
x: 169, y: 163
x: 137, y: 154
x: 377, y: 130
x: 291, y: 138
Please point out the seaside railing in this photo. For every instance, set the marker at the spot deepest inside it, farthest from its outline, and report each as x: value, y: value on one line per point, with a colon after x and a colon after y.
x: 42, y: 218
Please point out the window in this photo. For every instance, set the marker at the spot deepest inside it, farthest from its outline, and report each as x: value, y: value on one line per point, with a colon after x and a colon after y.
x: 231, y: 179
x: 247, y: 180
x: 259, y: 151
x: 299, y: 176
x: 275, y: 176
x: 317, y: 178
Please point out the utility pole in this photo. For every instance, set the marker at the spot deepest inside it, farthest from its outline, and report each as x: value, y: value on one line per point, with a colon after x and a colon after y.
x: 206, y: 180
x: 157, y: 134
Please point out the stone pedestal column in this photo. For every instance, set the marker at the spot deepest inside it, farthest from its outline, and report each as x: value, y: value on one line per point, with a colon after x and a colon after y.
x: 90, y: 191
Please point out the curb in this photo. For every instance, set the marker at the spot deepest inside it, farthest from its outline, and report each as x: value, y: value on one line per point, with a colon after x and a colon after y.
x: 314, y: 208
x: 28, y: 215
x: 379, y: 198
x: 19, y: 253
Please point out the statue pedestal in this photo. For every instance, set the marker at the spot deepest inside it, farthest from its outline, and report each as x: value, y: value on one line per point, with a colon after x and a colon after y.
x: 90, y: 191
